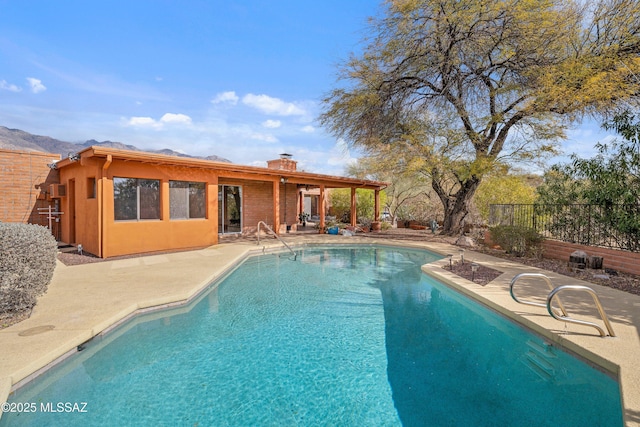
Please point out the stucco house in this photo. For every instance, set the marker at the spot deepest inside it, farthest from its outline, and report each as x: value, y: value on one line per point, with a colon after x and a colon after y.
x: 120, y: 202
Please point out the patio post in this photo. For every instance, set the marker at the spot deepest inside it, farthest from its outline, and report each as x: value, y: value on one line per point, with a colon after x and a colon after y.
x: 276, y: 205
x: 353, y: 207
x: 321, y: 207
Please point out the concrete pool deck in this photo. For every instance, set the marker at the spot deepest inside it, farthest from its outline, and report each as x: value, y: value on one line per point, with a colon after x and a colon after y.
x: 84, y: 300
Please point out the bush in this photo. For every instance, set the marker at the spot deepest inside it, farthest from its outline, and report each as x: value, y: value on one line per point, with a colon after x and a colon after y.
x: 27, y: 260
x: 517, y: 240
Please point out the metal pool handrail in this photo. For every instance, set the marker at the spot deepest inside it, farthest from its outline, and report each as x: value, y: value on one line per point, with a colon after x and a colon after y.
x: 537, y: 304
x: 276, y: 236
x: 566, y: 318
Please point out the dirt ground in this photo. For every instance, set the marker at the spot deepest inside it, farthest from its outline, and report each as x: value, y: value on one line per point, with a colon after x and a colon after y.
x: 617, y: 280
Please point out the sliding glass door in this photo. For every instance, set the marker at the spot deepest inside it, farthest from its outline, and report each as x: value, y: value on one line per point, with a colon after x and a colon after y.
x: 229, y: 209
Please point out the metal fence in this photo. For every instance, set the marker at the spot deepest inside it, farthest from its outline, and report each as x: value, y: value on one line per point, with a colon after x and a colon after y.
x: 612, y: 226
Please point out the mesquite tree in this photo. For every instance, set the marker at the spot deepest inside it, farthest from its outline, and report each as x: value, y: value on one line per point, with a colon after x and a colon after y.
x: 468, y: 84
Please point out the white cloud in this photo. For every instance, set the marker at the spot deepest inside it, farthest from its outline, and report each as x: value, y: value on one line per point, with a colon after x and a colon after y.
x: 308, y: 129
x: 11, y: 88
x: 36, y: 85
x: 169, y: 119
x: 227, y: 97
x: 143, y: 122
x: 272, y: 124
x: 176, y: 119
x: 270, y: 105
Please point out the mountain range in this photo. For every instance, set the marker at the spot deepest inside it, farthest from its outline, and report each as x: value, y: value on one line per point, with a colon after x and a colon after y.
x: 15, y: 139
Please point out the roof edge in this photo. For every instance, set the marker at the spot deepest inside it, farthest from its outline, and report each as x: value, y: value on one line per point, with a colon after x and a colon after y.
x: 296, y: 176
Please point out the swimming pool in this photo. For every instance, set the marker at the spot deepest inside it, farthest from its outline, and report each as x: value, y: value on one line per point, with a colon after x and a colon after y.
x: 343, y: 336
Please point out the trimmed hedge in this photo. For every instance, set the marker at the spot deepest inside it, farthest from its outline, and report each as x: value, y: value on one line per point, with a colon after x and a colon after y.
x: 27, y: 260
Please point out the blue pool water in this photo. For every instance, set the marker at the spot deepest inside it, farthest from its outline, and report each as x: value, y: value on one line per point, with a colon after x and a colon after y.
x: 343, y: 336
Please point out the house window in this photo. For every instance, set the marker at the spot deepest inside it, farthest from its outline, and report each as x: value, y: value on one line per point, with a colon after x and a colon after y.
x: 187, y: 200
x: 91, y: 188
x: 136, y: 199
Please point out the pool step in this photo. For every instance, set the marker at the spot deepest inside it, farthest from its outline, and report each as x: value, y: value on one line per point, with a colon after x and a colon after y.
x: 540, y: 359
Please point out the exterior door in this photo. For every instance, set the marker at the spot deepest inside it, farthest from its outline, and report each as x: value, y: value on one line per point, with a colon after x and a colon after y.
x: 229, y: 209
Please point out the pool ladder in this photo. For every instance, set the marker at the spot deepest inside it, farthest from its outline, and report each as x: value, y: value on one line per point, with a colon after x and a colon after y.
x: 562, y: 313
x: 276, y: 236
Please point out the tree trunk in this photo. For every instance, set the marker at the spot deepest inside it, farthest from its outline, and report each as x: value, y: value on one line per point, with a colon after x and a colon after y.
x: 456, y: 206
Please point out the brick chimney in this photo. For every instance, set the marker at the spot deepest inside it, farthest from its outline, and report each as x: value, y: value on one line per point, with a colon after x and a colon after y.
x: 283, y: 163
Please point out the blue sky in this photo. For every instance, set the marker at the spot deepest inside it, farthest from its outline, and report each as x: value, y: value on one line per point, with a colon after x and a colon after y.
x: 238, y: 79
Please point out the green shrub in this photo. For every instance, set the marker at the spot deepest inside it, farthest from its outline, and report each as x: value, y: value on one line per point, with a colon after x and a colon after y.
x: 27, y: 260
x: 517, y: 240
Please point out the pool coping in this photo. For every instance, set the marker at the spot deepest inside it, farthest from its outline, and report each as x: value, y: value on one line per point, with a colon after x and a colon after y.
x: 77, y: 317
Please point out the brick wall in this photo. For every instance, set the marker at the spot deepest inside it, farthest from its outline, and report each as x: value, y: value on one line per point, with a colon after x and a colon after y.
x: 258, y: 205
x: 628, y: 262
x: 283, y: 164
x: 24, y: 178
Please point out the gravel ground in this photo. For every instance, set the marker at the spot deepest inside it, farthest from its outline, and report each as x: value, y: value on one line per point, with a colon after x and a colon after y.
x: 11, y: 318
x: 72, y: 258
x: 482, y: 276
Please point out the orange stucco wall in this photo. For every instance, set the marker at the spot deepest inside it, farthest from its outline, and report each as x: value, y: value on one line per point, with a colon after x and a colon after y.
x: 91, y: 221
x: 94, y: 225
x: 122, y: 237
x: 80, y: 218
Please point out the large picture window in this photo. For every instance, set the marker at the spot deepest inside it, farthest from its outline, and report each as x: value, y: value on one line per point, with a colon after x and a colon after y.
x: 136, y: 199
x: 187, y: 200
